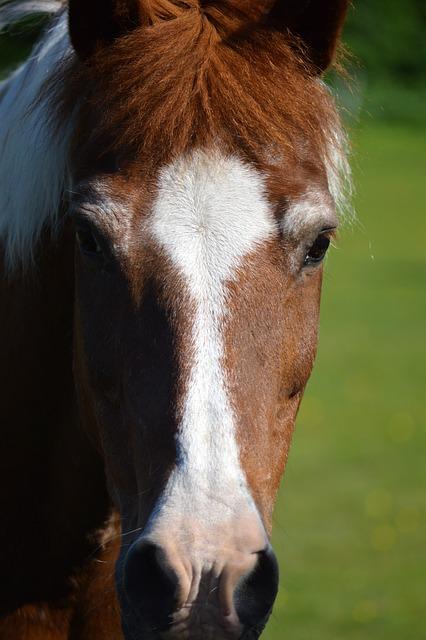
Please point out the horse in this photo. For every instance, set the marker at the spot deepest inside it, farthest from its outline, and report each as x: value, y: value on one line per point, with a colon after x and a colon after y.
x: 172, y: 173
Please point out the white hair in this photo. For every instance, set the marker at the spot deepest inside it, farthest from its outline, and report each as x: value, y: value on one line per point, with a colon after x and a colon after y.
x: 33, y: 155
x: 12, y: 11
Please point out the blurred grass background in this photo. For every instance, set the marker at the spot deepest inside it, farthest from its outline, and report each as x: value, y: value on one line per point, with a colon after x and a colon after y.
x: 350, y: 524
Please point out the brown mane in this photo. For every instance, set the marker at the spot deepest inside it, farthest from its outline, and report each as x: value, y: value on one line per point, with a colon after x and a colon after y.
x: 198, y: 79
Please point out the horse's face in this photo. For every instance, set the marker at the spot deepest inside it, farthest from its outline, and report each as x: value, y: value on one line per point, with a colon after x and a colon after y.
x: 196, y: 322
x: 197, y: 301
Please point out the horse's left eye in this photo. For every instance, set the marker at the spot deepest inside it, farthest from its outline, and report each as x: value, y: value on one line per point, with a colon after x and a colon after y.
x: 318, y: 250
x: 87, y: 241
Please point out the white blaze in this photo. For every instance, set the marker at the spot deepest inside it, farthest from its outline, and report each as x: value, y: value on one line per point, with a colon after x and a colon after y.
x: 210, y: 213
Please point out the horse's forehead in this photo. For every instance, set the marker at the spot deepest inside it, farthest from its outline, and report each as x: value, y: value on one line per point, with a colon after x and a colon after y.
x: 210, y: 210
x: 209, y: 205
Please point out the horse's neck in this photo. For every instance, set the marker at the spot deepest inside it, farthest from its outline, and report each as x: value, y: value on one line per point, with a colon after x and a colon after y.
x: 52, y: 488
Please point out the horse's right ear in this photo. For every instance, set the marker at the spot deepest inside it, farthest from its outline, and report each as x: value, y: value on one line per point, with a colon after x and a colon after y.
x: 96, y: 23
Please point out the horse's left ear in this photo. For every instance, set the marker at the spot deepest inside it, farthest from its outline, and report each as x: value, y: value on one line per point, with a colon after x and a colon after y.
x: 95, y: 23
x: 317, y: 23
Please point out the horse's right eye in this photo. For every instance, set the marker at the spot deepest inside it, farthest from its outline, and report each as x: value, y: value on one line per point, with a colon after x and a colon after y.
x: 87, y: 241
x: 317, y: 251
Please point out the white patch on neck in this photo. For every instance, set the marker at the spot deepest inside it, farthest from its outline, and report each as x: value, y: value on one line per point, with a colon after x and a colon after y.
x: 210, y: 213
x: 33, y: 159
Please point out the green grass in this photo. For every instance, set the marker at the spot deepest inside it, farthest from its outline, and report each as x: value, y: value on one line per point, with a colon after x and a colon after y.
x: 350, y: 524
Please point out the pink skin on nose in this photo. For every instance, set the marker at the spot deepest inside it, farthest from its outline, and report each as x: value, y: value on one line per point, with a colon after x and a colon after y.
x: 208, y: 560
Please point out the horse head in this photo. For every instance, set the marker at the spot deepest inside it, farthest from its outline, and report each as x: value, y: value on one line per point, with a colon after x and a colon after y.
x: 206, y: 167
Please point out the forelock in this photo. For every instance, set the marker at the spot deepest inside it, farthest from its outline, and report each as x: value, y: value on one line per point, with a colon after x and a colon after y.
x: 187, y: 82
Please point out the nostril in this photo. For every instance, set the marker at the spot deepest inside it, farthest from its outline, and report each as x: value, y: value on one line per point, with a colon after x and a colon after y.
x: 255, y: 594
x: 150, y: 583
